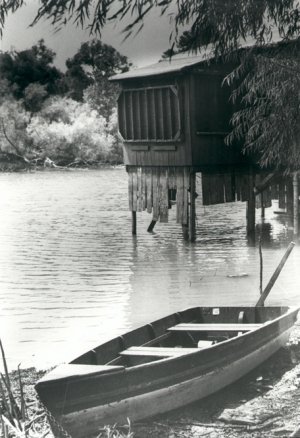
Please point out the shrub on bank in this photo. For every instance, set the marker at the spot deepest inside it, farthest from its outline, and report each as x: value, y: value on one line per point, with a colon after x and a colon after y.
x: 64, y: 132
x: 67, y: 130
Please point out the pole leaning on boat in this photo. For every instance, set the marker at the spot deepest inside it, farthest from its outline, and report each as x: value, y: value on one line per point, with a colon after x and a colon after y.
x: 274, y: 277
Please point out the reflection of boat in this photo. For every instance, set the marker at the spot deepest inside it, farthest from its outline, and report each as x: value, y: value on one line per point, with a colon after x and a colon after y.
x: 163, y: 365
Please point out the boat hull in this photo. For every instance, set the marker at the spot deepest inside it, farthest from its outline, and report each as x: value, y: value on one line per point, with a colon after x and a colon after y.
x: 85, y: 422
x: 92, y: 395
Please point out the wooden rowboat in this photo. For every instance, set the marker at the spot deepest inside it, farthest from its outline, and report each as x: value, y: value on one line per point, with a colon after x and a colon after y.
x: 163, y: 365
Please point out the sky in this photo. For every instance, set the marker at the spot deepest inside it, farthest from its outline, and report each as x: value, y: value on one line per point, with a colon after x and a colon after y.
x: 146, y: 48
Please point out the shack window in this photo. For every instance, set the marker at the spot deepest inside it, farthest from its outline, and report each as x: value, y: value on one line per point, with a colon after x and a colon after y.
x: 149, y: 114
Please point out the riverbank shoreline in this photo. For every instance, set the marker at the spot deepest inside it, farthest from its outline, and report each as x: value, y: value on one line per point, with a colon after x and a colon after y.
x: 15, y: 168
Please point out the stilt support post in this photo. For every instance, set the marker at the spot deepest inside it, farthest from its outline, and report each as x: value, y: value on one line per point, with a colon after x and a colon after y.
x: 133, y: 223
x: 192, y: 215
x: 251, y: 207
x: 151, y: 226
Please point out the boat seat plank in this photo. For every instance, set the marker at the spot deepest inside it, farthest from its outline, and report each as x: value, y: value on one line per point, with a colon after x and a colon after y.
x: 214, y: 327
x: 157, y: 351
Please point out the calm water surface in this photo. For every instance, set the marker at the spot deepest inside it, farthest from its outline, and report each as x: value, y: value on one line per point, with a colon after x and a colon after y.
x: 72, y: 276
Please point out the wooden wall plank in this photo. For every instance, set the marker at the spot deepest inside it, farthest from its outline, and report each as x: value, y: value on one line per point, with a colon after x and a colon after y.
x: 130, y: 189
x: 134, y: 190
x: 168, y: 113
x: 164, y: 196
x: 138, y: 111
x: 131, y: 115
x: 160, y: 115
x: 179, y: 195
x: 155, y: 184
x: 229, y: 187
x: 149, y: 189
x: 139, y: 190
x: 145, y: 109
x: 152, y: 112
x: 185, y: 204
x: 259, y: 200
x: 172, y: 178
x: 124, y: 115
x: 144, y: 189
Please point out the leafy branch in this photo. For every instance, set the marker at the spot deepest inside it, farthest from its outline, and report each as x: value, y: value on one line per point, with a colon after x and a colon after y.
x: 223, y: 23
x: 267, y: 120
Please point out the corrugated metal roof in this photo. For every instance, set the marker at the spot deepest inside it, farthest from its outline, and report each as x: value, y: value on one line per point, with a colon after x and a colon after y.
x: 176, y: 64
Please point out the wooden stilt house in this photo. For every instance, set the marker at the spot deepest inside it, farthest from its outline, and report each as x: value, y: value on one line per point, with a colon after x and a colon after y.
x: 173, y: 118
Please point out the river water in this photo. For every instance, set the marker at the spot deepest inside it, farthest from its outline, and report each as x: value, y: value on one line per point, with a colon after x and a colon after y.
x: 72, y: 275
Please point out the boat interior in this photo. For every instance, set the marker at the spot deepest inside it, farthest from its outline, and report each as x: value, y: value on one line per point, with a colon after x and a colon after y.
x: 179, y: 334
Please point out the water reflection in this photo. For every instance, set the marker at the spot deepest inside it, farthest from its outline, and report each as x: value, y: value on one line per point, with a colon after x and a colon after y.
x: 72, y: 276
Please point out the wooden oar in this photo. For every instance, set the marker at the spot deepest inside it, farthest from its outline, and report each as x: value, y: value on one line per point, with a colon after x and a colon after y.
x: 274, y: 277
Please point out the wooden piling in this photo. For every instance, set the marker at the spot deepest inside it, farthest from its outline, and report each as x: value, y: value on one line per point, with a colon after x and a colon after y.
x: 151, y: 226
x: 262, y: 209
x: 296, y: 203
x: 192, y: 215
x: 251, y: 207
x: 133, y: 223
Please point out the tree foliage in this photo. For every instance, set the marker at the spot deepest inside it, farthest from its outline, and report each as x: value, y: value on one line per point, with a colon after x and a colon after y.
x: 268, y: 119
x: 89, y: 71
x: 33, y: 66
x: 34, y: 96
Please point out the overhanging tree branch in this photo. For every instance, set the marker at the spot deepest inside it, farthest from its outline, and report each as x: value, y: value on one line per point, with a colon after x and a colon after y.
x: 224, y: 23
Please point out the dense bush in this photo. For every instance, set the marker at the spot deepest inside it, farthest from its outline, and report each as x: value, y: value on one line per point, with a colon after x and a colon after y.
x: 68, y: 131
x: 64, y: 132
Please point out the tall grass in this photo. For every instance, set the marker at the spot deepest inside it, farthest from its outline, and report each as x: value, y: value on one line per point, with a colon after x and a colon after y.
x: 13, y: 414
x: 17, y: 419
x: 116, y: 431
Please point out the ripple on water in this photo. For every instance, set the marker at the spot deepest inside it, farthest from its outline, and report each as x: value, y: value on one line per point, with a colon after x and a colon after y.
x: 72, y: 276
